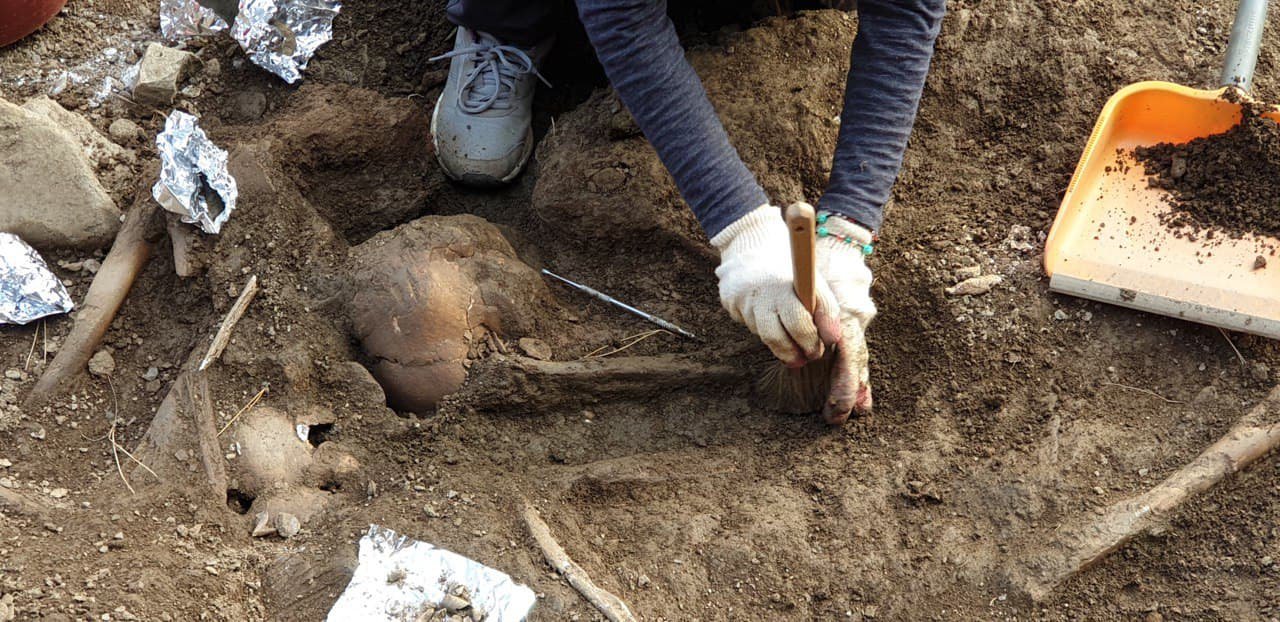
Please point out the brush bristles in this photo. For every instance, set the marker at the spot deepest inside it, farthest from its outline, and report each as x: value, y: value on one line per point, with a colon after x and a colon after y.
x: 798, y: 390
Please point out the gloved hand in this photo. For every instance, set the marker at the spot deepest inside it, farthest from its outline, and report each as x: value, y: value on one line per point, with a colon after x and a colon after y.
x: 842, y: 266
x: 756, y: 289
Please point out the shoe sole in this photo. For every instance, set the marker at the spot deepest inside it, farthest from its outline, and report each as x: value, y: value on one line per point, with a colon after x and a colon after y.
x: 472, y: 179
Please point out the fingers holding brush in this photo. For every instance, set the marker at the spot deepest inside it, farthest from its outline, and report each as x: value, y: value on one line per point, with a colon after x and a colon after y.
x: 850, y: 377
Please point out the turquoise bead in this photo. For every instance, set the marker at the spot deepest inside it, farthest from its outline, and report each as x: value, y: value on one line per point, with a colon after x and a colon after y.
x: 822, y: 232
x: 867, y: 249
x: 822, y: 218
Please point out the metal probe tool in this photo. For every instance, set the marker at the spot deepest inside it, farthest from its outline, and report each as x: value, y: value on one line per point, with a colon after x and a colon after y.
x: 621, y: 305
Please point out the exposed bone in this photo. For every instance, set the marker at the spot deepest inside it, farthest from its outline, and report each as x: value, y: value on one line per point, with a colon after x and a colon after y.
x: 13, y: 501
x: 184, y: 422
x: 128, y: 255
x: 501, y: 382
x: 1075, y: 548
x: 611, y: 606
x: 223, y: 337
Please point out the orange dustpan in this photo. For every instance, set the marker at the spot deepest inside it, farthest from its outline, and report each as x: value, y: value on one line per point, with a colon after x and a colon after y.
x: 1107, y: 242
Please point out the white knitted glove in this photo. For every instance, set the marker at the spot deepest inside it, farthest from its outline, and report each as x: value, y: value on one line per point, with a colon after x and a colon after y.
x: 842, y: 266
x: 756, y: 288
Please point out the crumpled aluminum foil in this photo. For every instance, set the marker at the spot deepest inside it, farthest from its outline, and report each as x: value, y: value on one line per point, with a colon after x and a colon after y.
x: 28, y: 289
x: 186, y: 18
x: 281, y: 35
x: 194, y: 182
x: 398, y: 577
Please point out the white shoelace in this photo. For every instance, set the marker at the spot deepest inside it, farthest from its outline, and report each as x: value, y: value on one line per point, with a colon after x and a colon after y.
x: 491, y: 83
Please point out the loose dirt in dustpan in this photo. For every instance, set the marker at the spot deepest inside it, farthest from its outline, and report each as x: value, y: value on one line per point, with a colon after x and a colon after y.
x: 1228, y: 183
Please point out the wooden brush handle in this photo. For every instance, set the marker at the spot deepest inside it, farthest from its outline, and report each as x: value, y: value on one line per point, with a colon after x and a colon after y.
x: 804, y: 251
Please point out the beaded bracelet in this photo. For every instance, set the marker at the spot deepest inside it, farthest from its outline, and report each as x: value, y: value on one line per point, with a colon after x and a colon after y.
x: 823, y: 232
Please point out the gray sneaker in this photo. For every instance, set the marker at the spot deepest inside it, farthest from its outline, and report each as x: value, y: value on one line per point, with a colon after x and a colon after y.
x: 482, y: 126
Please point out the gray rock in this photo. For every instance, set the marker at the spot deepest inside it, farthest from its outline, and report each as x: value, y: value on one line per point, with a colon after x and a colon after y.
x: 287, y: 525
x: 100, y: 151
x: 159, y: 73
x: 124, y: 131
x: 102, y: 364
x: 49, y: 195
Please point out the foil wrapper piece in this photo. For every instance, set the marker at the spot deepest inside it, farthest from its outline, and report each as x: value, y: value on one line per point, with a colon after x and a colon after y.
x: 28, y: 289
x: 194, y: 182
x: 282, y: 35
x: 398, y: 578
x: 186, y: 18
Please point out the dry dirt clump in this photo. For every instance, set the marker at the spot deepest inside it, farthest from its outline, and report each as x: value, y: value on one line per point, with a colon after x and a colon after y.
x: 1228, y: 182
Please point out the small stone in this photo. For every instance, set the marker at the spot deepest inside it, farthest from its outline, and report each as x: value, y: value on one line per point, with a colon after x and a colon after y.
x: 1207, y: 395
x: 159, y: 73
x: 1060, y: 315
x: 38, y: 434
x: 975, y: 286
x: 454, y: 603
x: 535, y: 348
x: 151, y: 374
x: 5, y: 463
x: 102, y: 364
x: 968, y: 272
x: 1260, y: 372
x: 287, y: 525
x: 643, y: 580
x: 1097, y: 490
x: 1267, y: 561
x: 1143, y: 472
x: 58, y: 493
x: 124, y: 131
x: 1178, y: 167
x: 52, y: 528
x: 1259, y: 262
x: 262, y: 526
x: 248, y: 105
x: 13, y: 374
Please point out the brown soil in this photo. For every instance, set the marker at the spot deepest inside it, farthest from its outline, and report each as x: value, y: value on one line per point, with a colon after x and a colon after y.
x: 1225, y: 182
x: 998, y: 417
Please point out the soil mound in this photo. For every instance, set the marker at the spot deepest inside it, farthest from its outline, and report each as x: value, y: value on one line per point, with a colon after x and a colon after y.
x: 1225, y: 182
